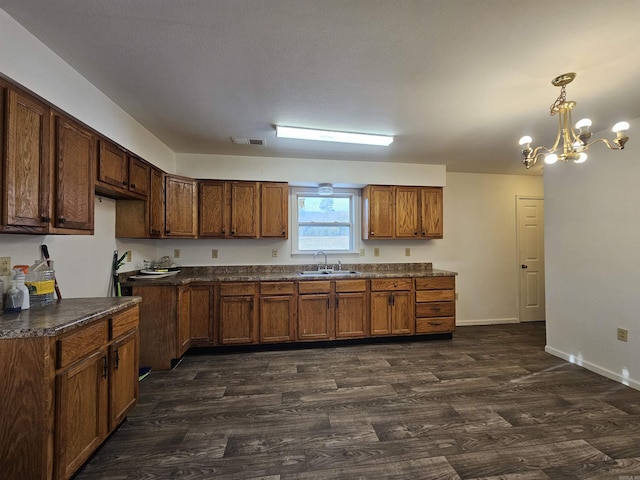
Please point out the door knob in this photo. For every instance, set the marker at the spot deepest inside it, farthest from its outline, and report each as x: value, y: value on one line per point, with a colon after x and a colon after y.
x: 524, y: 266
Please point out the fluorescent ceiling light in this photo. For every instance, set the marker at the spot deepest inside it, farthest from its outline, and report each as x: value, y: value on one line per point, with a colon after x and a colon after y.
x: 331, y: 136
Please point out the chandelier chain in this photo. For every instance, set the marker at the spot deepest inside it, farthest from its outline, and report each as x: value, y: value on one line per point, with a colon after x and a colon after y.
x: 562, y: 98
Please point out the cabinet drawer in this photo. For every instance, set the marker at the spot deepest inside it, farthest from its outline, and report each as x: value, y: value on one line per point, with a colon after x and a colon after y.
x: 232, y: 289
x: 435, y: 295
x: 391, y: 284
x: 323, y: 286
x: 351, y: 286
x: 82, y: 342
x: 435, y: 325
x: 123, y: 322
x: 435, y: 283
x: 435, y: 309
x: 277, y: 288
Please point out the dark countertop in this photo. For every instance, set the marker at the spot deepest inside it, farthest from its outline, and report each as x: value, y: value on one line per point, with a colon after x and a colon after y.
x: 61, y: 316
x: 266, y: 273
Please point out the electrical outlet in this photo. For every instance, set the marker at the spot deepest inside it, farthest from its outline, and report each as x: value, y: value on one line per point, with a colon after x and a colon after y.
x: 274, y: 252
x: 376, y: 252
x: 5, y: 266
x: 456, y: 295
x: 214, y: 253
x: 623, y: 334
x: 128, y: 256
x: 362, y: 252
x: 176, y: 253
x: 407, y: 252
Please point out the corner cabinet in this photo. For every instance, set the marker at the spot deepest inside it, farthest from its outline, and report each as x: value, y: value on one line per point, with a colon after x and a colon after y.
x: 402, y: 212
x: 181, y: 207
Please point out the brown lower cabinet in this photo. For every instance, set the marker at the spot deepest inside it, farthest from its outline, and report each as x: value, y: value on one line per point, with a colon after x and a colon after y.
x: 246, y: 313
x: 62, y: 396
x: 238, y: 317
x: 392, y: 307
x: 278, y: 312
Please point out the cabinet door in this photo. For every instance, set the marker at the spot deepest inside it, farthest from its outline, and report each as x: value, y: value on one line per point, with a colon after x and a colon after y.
x: 202, y: 314
x: 156, y: 203
x: 27, y: 165
x: 184, y: 317
x: 123, y: 394
x: 352, y: 315
x: 81, y: 411
x: 402, y: 316
x: 238, y: 320
x: 407, y: 216
x: 378, y: 212
x: 315, y: 316
x: 113, y: 167
x: 180, y: 207
x: 380, y: 313
x: 213, y: 209
x: 274, y: 201
x: 75, y: 157
x: 245, y: 205
x: 431, y: 212
x: 277, y: 314
x: 139, y: 172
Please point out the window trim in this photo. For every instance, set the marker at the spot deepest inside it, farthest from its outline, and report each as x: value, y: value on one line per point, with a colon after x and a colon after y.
x: 352, y: 193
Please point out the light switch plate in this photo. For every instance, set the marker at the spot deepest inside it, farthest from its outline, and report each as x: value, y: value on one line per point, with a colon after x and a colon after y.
x: 176, y: 253
x: 214, y: 253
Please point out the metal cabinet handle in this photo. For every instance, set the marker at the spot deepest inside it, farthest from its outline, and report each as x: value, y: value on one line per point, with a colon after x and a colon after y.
x: 62, y: 220
x: 105, y: 366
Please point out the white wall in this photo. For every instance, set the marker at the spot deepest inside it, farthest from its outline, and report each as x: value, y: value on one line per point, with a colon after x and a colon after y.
x: 592, y: 254
x: 83, y: 263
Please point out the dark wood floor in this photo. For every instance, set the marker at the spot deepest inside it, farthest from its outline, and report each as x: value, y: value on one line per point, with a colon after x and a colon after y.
x: 489, y: 404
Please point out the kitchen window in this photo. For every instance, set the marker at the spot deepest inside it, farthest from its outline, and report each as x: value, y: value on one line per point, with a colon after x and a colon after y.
x: 325, y: 223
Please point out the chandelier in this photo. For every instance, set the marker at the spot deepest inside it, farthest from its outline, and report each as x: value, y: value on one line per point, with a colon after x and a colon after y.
x: 571, y: 144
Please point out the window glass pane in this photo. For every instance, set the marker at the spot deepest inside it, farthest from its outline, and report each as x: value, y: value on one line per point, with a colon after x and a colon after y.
x: 323, y: 238
x: 324, y: 209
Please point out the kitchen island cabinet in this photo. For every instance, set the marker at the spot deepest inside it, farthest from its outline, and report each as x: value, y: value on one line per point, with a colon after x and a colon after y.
x: 69, y: 377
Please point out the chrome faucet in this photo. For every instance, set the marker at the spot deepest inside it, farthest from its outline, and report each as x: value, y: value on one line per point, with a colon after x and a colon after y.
x: 325, y: 258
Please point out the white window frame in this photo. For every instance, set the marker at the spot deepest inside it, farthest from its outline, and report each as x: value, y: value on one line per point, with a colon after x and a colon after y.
x: 352, y: 193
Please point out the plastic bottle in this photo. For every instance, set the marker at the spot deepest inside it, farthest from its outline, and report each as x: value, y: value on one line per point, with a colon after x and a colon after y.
x: 41, y: 284
x: 13, y: 299
x: 19, y: 276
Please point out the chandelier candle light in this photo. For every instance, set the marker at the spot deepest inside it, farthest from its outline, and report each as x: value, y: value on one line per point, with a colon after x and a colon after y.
x: 574, y: 144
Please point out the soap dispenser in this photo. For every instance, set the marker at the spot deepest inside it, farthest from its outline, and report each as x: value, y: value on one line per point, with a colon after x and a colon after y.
x: 13, y: 299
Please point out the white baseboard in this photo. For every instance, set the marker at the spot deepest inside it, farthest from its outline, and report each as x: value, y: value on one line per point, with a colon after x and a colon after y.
x: 635, y: 384
x: 485, y: 321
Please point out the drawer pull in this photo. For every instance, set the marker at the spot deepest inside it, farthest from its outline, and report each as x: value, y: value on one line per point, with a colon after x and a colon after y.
x: 435, y: 324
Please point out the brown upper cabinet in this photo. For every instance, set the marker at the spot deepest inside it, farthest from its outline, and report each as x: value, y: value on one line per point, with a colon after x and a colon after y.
x: 401, y: 212
x: 274, y: 211
x: 74, y: 185
x: 26, y: 163
x: 181, y: 207
x: 47, y: 164
x: 119, y: 174
x: 240, y: 209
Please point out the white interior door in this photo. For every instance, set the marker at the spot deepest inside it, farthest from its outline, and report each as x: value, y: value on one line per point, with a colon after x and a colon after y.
x: 530, y: 212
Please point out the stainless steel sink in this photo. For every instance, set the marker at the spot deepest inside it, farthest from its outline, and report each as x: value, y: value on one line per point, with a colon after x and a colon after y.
x: 327, y: 273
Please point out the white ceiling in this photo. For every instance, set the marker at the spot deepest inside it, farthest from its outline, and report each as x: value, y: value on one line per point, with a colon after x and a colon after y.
x: 458, y: 82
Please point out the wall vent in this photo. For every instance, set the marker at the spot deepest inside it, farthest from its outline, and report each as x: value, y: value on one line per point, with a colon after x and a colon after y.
x: 247, y: 141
